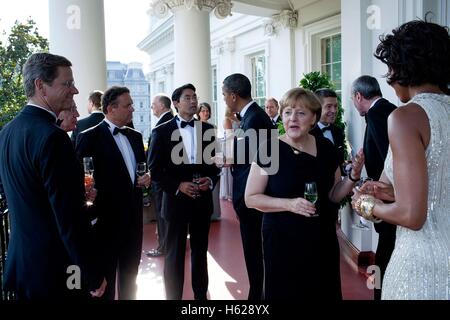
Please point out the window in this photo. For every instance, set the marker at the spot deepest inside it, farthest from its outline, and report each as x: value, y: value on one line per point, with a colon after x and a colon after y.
x: 214, y: 95
x: 331, y: 58
x: 141, y: 118
x: 258, y: 67
x: 141, y: 105
x: 161, y: 86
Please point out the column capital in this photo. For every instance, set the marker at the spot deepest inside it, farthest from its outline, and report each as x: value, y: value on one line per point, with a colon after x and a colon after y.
x: 222, y: 8
x: 284, y: 19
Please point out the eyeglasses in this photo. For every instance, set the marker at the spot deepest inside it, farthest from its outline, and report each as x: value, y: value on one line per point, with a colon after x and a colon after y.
x: 190, y: 98
x: 69, y: 84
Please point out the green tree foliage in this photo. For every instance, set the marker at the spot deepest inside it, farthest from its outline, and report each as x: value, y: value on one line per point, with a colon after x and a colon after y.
x: 22, y: 41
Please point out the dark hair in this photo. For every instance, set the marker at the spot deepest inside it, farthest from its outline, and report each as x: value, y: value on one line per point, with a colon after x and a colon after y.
x: 417, y: 52
x: 367, y: 86
x: 110, y: 96
x: 179, y: 91
x: 96, y: 98
x: 42, y: 66
x: 165, y: 101
x: 238, y: 84
x: 207, y: 106
x: 325, y: 93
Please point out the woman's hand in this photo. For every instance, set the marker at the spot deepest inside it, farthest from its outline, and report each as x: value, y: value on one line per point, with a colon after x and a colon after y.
x: 379, y: 190
x: 301, y: 206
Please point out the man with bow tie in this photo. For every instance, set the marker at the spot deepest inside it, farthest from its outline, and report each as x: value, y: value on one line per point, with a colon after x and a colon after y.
x: 181, y: 166
x: 325, y: 127
x: 116, y: 149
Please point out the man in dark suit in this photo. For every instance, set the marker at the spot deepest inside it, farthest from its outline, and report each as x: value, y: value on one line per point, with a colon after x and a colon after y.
x: 272, y: 110
x: 367, y: 98
x: 115, y: 150
x: 236, y: 90
x: 161, y: 110
x: 96, y: 115
x: 179, y: 163
x: 43, y: 184
x: 326, y: 127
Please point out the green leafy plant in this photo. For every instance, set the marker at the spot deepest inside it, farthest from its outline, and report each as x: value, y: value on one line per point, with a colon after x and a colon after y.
x: 22, y: 41
x: 314, y: 81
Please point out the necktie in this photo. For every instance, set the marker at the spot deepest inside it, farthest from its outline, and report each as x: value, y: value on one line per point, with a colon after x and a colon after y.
x: 122, y: 131
x: 326, y: 128
x: 187, y: 123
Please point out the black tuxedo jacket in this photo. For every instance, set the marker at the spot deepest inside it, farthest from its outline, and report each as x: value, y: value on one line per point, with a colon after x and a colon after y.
x: 86, y: 123
x: 254, y: 118
x: 376, y: 141
x: 119, y: 201
x: 168, y: 116
x: 50, y: 229
x: 169, y: 175
x: 338, y: 137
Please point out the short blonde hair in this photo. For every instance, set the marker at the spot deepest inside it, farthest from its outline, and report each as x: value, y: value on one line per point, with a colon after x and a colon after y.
x: 309, y: 99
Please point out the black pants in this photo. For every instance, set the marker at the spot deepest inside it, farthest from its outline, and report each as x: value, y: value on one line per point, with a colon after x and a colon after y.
x: 161, y: 222
x: 251, y: 234
x: 386, y: 244
x: 175, y: 252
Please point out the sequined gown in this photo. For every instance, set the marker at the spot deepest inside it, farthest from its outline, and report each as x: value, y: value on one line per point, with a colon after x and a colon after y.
x: 420, y: 264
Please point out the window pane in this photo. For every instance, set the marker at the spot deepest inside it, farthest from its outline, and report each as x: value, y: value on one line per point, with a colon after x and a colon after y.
x: 337, y: 48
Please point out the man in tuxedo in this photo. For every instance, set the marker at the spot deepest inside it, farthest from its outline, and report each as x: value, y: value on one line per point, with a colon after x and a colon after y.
x: 43, y: 183
x: 162, y: 112
x: 326, y: 127
x: 236, y: 91
x: 271, y: 107
x: 96, y: 115
x: 179, y: 164
x: 115, y: 150
x: 369, y: 102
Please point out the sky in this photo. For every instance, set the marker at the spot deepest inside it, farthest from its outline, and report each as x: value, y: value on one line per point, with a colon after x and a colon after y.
x: 126, y: 24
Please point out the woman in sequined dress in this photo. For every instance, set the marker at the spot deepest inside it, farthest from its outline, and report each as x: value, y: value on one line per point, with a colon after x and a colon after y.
x: 417, y: 165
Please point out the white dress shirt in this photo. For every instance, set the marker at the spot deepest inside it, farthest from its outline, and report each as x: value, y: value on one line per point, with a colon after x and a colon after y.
x: 125, y: 149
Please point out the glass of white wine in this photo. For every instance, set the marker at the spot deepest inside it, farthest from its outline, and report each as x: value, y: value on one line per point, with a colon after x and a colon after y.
x: 311, y: 194
x: 88, y: 165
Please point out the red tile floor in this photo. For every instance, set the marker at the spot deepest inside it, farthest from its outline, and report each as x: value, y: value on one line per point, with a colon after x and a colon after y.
x: 227, y: 274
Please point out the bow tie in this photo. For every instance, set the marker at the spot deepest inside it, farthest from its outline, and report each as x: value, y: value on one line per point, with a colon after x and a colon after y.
x: 187, y: 123
x: 326, y: 128
x: 122, y: 131
x: 238, y: 116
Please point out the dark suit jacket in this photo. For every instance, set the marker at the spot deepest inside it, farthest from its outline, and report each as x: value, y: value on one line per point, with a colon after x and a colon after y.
x: 169, y: 175
x: 86, y: 123
x: 338, y: 137
x: 50, y: 229
x: 166, y: 117
x: 254, y: 118
x: 119, y: 201
x: 376, y: 141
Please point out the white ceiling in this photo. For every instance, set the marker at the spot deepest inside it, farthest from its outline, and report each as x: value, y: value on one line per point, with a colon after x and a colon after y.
x: 267, y: 7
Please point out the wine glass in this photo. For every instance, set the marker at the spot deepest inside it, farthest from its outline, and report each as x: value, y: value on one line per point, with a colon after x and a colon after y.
x: 88, y: 165
x: 311, y: 194
x: 141, y: 169
x: 220, y: 159
x: 196, y: 179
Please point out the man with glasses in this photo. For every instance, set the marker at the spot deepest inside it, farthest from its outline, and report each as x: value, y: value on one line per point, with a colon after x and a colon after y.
x: 116, y: 149
x: 179, y: 166
x: 43, y: 183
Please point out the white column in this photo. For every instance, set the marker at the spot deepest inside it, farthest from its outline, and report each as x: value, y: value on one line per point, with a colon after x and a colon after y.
x: 77, y: 32
x: 192, y: 40
x: 193, y: 50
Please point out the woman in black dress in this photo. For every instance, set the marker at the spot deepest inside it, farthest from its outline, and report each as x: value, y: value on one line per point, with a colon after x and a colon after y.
x: 301, y: 251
